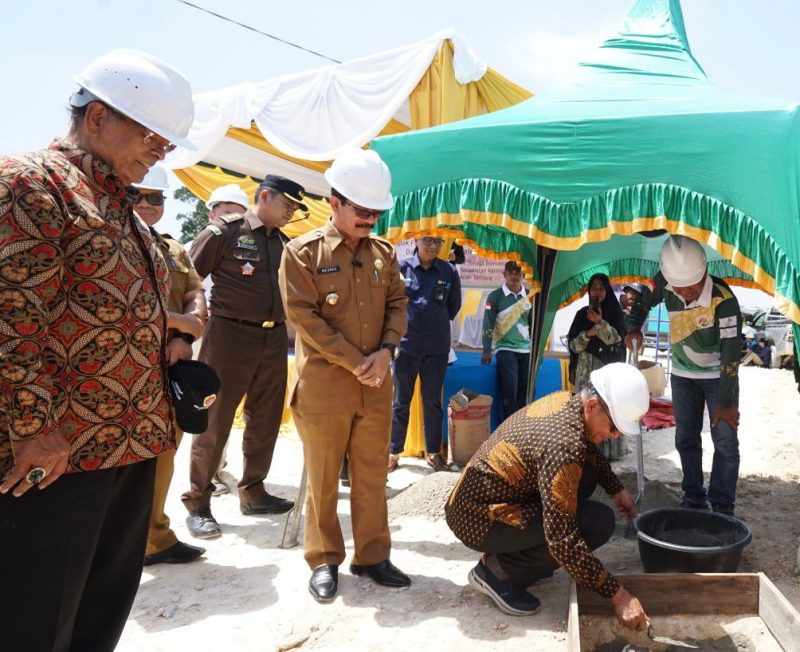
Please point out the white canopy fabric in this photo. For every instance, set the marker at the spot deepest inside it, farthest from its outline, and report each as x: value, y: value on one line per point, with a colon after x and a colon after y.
x: 316, y: 114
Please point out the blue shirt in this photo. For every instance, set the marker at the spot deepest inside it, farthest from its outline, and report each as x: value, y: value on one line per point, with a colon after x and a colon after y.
x: 434, y: 298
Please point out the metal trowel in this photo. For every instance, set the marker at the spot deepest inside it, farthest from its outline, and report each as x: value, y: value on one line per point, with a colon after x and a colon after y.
x: 668, y: 641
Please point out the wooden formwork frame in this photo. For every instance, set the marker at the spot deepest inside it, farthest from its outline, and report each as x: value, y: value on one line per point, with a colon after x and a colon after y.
x: 709, y: 594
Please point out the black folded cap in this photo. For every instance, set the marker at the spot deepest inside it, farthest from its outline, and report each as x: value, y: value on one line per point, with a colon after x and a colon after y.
x: 194, y: 386
x: 287, y: 187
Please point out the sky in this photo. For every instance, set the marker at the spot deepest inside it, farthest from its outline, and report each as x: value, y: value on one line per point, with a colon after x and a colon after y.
x: 744, y: 46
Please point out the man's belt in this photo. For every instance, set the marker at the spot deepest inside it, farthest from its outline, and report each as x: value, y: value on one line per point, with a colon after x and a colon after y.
x: 268, y: 325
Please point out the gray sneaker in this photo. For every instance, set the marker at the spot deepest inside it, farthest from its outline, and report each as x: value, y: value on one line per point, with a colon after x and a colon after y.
x: 509, y: 598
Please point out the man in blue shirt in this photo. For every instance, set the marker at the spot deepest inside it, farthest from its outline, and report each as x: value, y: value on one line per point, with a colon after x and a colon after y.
x: 433, y: 288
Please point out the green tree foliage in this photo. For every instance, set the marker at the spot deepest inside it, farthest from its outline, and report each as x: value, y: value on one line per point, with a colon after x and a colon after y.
x: 191, y: 222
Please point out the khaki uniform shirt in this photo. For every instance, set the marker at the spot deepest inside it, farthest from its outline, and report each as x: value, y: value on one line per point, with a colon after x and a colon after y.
x: 183, y: 277
x: 343, y: 304
x: 532, y: 465
x: 242, y: 256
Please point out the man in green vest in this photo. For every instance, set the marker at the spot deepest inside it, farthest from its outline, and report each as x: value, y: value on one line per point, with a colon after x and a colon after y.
x: 705, y: 323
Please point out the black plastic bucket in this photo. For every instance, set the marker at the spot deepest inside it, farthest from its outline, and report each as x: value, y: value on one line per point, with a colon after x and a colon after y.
x: 675, y: 540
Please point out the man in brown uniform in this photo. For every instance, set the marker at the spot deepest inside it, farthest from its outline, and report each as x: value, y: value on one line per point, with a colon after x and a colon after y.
x: 186, y: 319
x: 523, y: 498
x: 246, y: 343
x: 345, y: 297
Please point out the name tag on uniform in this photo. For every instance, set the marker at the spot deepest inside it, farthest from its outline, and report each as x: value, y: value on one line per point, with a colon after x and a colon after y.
x: 329, y: 270
x: 247, y: 243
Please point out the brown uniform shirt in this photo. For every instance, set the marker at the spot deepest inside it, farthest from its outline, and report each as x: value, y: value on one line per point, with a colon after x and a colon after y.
x: 242, y: 256
x: 533, y: 464
x: 344, y: 304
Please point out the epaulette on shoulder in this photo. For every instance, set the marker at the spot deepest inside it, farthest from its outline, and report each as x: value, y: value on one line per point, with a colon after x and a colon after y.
x: 214, y: 228
x: 305, y: 238
x: 231, y: 217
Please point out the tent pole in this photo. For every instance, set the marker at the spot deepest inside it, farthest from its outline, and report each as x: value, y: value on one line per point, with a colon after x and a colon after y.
x: 545, y: 262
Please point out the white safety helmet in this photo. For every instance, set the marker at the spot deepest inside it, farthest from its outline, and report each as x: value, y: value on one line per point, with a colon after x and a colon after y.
x: 624, y: 389
x: 143, y: 88
x: 155, y: 179
x: 749, y: 331
x: 363, y: 178
x: 230, y: 193
x: 683, y: 261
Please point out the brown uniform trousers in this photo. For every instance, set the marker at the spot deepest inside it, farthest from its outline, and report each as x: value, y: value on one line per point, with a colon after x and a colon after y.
x: 183, y: 278
x: 344, y: 304
x: 252, y: 362
x: 242, y: 257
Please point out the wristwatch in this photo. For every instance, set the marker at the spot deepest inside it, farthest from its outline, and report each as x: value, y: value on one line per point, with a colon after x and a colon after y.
x: 186, y: 337
x: 391, y: 348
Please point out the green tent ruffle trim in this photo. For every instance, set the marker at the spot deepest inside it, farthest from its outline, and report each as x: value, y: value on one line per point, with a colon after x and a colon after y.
x: 503, y: 218
x: 638, y: 270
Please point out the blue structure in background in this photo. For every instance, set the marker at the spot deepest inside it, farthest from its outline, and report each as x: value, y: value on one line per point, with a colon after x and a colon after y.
x: 468, y: 372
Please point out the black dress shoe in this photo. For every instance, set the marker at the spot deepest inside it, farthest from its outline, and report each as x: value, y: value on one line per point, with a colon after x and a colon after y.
x: 180, y: 553
x: 265, y: 505
x: 324, y: 583
x: 202, y: 525
x: 384, y: 573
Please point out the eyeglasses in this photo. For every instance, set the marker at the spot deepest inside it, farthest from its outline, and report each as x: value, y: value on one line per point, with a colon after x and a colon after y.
x: 152, y: 139
x: 149, y: 137
x: 363, y: 213
x: 614, y: 429
x: 429, y: 241
x: 152, y: 198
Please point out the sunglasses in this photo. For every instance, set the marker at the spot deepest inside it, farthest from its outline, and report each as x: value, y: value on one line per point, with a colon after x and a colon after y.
x: 429, y: 241
x: 153, y: 198
x: 363, y: 213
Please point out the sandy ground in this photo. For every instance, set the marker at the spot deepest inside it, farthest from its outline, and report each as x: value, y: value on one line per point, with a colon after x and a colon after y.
x: 249, y: 594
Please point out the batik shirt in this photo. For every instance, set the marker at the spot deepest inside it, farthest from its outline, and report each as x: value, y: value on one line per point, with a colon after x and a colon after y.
x: 533, y: 465
x: 83, y: 292
x: 704, y: 334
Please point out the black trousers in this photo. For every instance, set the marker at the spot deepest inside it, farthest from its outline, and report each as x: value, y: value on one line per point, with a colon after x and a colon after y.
x: 72, y: 559
x: 431, y: 370
x: 524, y: 554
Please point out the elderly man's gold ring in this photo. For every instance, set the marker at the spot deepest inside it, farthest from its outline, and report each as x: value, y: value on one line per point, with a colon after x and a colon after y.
x: 36, y: 475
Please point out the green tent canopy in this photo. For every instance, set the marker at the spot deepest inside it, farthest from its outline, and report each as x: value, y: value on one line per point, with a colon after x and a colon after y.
x: 567, y: 182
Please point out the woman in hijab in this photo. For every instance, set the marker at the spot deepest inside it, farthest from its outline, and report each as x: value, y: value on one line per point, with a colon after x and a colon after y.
x: 597, y: 334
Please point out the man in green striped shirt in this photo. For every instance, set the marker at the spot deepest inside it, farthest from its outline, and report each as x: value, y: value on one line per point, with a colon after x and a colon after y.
x: 705, y: 323
x: 506, y: 329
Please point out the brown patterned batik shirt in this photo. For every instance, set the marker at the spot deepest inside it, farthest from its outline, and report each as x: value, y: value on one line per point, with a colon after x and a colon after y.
x: 533, y: 464
x: 83, y: 292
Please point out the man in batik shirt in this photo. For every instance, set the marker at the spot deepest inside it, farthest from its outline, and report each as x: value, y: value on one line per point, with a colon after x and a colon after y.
x: 523, y: 498
x: 83, y: 317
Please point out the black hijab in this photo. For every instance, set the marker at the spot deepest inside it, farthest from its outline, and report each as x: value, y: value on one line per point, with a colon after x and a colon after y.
x: 612, y: 313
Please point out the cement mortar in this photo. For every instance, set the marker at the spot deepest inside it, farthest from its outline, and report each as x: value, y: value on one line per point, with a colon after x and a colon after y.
x: 709, y: 633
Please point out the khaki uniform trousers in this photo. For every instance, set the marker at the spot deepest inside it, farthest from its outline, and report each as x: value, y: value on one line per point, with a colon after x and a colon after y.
x: 160, y: 537
x: 364, y: 436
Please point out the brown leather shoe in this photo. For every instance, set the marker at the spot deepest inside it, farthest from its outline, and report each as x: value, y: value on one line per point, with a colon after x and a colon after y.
x: 436, y: 462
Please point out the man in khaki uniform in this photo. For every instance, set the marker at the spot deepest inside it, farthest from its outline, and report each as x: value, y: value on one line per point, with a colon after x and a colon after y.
x: 186, y: 319
x: 246, y: 343
x: 345, y: 297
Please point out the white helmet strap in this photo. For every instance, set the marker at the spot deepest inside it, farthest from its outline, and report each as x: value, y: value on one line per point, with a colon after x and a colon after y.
x: 82, y: 97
